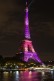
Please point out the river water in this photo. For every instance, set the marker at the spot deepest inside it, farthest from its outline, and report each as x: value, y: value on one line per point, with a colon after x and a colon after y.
x: 27, y: 76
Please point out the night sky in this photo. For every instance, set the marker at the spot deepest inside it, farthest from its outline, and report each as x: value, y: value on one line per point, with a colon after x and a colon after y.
x: 41, y: 18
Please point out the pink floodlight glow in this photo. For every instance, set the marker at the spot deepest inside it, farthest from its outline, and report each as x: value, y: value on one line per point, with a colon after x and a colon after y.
x: 29, y: 52
x: 26, y: 9
x: 28, y: 49
x: 26, y: 22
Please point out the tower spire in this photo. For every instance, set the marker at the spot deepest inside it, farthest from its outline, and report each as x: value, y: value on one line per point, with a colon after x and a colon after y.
x: 27, y: 32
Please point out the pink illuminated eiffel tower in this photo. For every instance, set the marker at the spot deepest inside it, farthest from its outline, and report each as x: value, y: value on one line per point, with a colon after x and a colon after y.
x: 28, y: 50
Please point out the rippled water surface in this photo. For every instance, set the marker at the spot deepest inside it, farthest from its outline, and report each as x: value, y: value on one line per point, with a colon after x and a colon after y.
x: 27, y: 76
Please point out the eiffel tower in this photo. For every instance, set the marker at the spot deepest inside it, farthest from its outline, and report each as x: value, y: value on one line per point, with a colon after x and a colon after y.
x: 28, y: 49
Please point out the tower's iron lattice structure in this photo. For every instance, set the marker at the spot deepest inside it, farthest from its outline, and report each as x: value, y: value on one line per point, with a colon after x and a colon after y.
x: 28, y: 48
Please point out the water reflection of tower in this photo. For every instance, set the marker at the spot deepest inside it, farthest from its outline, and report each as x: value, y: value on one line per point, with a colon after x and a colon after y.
x: 27, y: 47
